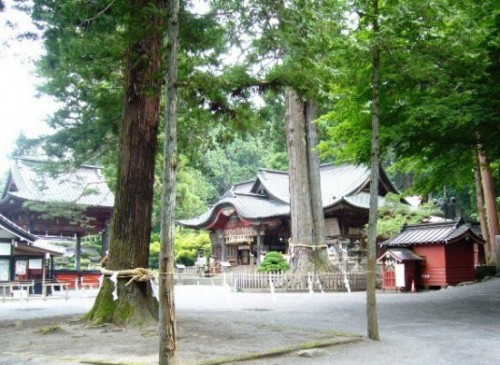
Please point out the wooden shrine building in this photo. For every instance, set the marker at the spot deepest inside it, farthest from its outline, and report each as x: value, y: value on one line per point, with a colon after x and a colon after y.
x: 50, y: 204
x: 254, y: 216
x: 432, y: 255
x: 24, y: 256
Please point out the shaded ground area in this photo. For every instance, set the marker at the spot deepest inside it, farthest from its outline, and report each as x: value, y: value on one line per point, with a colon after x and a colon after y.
x: 64, y: 340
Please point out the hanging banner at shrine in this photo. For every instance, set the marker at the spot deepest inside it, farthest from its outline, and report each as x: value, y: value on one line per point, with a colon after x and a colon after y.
x: 239, y: 234
x: 241, y: 238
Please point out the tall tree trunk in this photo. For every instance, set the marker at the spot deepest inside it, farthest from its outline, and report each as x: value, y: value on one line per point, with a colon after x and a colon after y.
x: 489, y: 199
x: 306, y: 210
x: 129, y: 246
x: 371, y: 299
x: 167, y: 330
x: 480, y: 207
x: 321, y: 260
x: 318, y: 217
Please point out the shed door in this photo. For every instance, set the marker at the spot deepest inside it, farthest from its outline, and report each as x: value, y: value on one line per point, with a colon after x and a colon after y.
x: 389, y: 278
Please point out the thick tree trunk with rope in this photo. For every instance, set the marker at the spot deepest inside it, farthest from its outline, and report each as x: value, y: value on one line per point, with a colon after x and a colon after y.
x: 131, y: 226
x: 307, y: 245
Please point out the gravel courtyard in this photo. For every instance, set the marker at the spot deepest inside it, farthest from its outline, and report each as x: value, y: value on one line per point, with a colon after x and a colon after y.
x: 456, y: 326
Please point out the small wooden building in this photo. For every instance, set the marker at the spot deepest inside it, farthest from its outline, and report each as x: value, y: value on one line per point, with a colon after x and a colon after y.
x: 33, y: 195
x: 449, y: 252
x: 254, y: 216
x: 400, y: 268
x: 24, y: 256
x: 53, y: 204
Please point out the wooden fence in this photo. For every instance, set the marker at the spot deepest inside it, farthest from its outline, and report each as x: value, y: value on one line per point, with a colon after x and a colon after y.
x: 352, y: 281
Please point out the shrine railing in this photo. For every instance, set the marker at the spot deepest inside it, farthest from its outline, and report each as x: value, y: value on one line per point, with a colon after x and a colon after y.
x: 282, y: 281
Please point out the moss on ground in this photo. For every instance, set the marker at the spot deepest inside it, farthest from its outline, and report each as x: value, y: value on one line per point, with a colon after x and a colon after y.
x: 281, y: 351
x: 49, y: 329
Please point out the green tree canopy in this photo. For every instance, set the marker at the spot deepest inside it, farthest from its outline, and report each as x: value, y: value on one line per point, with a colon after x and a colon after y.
x: 436, y: 67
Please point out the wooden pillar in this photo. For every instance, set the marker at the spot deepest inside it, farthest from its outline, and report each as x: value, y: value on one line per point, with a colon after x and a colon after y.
x: 223, y: 247
x: 78, y: 251
x: 257, y: 249
x: 105, y: 240
x: 260, y: 234
x: 52, y: 266
x: 44, y: 275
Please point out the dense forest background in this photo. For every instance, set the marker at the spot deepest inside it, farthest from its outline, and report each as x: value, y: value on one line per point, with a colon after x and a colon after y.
x: 440, y: 94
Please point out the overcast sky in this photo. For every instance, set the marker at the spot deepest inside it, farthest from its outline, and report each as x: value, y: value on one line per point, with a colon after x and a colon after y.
x: 20, y: 109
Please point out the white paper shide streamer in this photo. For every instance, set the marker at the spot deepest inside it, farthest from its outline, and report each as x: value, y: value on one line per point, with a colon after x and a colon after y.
x: 114, y: 280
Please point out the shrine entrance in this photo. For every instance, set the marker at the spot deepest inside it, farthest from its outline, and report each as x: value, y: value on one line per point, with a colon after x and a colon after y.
x: 400, y: 269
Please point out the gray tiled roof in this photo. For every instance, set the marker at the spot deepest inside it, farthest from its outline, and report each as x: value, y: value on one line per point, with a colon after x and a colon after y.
x: 85, y: 185
x: 30, y: 240
x: 341, y: 181
x: 243, y: 187
x: 432, y: 233
x: 359, y: 200
x: 254, y: 207
x: 401, y: 254
x: 247, y: 206
x: 47, y: 245
x: 275, y: 183
x: 9, y: 226
x: 338, y: 184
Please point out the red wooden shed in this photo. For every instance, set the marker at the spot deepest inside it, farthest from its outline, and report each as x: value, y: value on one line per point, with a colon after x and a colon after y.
x: 450, y: 252
x: 402, y: 257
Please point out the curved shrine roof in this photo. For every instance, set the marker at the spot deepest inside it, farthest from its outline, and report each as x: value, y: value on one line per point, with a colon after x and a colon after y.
x: 433, y: 233
x: 268, y: 195
x: 84, y: 185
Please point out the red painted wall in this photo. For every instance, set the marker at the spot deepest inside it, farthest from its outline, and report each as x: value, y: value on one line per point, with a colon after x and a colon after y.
x: 433, y: 267
x: 460, y: 262
x: 448, y: 264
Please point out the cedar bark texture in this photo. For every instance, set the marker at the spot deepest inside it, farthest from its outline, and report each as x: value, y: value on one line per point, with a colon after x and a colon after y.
x: 131, y: 226
x: 489, y: 199
x: 167, y: 316
x: 481, y: 210
x: 306, y: 208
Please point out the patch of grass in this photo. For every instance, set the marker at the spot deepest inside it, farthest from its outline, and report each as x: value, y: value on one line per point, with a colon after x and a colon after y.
x: 47, y: 330
x: 280, y: 351
x: 97, y: 362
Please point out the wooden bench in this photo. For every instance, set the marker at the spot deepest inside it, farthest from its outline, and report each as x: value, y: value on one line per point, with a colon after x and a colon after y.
x: 23, y: 286
x: 54, y: 284
x: 90, y: 283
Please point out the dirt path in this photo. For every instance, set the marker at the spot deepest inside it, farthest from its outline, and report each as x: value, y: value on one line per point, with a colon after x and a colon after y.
x: 65, y: 340
x: 453, y: 326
